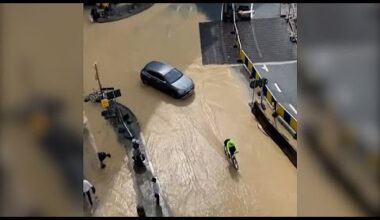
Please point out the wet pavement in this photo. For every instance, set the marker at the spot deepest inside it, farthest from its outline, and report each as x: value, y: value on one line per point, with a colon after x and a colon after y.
x: 282, y: 82
x: 184, y: 138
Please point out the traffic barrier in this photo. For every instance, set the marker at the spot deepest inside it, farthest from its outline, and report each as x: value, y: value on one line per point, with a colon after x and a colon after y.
x: 254, y: 74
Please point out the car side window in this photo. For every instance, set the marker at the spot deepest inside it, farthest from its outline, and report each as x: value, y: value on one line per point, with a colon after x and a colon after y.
x: 161, y: 78
x: 152, y: 73
x: 156, y: 75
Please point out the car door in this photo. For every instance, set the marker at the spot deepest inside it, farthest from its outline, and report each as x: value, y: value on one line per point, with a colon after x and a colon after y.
x: 158, y: 81
x: 152, y: 78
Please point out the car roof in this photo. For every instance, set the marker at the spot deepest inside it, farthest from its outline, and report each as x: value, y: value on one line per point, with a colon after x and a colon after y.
x: 159, y: 67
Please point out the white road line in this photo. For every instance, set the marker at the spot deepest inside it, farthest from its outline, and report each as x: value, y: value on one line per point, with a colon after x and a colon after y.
x: 277, y: 63
x: 191, y: 9
x: 265, y: 67
x: 291, y: 106
x: 278, y: 88
x: 221, y: 12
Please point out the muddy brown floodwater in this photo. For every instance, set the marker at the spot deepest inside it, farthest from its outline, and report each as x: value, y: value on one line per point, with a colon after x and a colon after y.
x: 184, y: 138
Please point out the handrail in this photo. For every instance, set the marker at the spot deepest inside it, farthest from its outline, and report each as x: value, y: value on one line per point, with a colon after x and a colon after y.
x: 235, y: 26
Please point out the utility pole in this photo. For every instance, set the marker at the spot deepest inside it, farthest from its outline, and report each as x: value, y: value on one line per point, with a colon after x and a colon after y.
x: 97, y: 76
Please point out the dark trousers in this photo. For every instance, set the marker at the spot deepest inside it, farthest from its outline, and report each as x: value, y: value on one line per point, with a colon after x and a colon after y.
x: 89, y: 197
x: 157, y: 198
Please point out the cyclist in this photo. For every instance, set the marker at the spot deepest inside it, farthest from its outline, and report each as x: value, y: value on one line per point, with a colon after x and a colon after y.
x: 230, y: 146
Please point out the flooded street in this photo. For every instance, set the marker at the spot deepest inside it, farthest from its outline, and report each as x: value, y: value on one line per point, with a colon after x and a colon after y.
x: 114, y: 184
x: 184, y: 138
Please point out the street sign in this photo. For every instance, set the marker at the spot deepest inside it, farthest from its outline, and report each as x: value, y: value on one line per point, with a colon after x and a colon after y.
x: 113, y: 94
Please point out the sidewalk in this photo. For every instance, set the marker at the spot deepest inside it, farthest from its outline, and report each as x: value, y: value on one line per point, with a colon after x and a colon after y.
x: 143, y: 175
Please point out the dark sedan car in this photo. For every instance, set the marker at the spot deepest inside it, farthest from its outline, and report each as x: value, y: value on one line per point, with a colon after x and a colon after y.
x: 167, y: 79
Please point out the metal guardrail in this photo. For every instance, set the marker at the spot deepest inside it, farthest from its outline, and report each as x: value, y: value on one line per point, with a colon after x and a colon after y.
x: 248, y: 64
x: 235, y: 26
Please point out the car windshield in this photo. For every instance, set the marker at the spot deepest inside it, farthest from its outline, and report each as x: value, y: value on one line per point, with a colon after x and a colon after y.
x: 173, y: 75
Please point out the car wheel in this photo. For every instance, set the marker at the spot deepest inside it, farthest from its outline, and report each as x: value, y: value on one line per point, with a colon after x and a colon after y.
x: 144, y: 82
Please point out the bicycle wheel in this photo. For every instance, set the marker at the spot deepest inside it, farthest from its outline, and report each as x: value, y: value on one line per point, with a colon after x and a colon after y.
x: 236, y: 165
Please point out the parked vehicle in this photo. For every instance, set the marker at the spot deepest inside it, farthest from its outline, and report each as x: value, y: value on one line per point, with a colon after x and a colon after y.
x: 167, y: 79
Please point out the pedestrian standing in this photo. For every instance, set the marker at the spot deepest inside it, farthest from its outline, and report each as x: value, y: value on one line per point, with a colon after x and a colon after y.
x: 87, y: 189
x: 156, y: 190
x: 140, y: 211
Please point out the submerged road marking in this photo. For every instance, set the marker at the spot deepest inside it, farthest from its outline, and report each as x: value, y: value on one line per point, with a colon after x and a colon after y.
x: 291, y: 106
x: 278, y: 88
x: 276, y: 63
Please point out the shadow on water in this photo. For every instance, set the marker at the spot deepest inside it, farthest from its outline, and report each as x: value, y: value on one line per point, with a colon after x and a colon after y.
x: 234, y: 173
x: 167, y: 98
x: 182, y: 102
